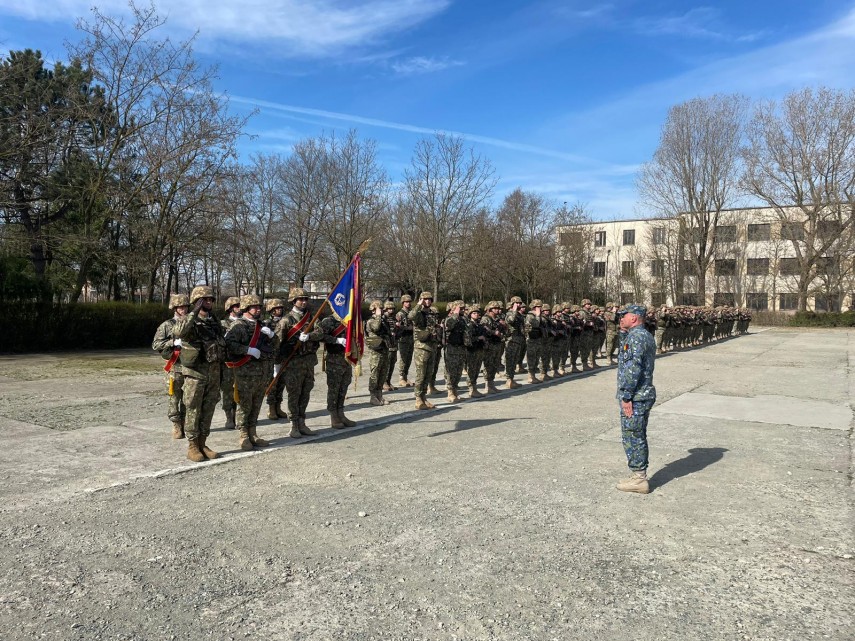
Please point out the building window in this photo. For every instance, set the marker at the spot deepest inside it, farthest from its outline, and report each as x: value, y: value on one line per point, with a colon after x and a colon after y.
x: 792, y: 231
x: 788, y: 302
x: 570, y: 238
x: 725, y: 266
x: 825, y: 265
x: 724, y: 298
x: 725, y: 233
x: 689, y: 267
x: 629, y: 237
x: 828, y: 229
x: 627, y: 268
x: 827, y: 303
x: 657, y: 268
x: 788, y: 266
x: 599, y: 270
x: 599, y: 239
x: 657, y: 299
x: 688, y: 298
x: 626, y: 298
x: 759, y: 232
x: 758, y: 266
x: 758, y: 301
x: 658, y: 235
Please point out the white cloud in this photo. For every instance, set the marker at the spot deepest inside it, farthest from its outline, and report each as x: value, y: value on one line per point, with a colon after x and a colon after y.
x: 313, y: 29
x: 420, y: 65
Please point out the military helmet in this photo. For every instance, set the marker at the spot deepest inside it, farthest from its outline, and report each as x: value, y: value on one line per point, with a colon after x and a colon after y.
x: 494, y: 303
x: 434, y: 309
x: 425, y: 295
x: 546, y: 308
x: 586, y: 301
x: 609, y: 304
x: 231, y: 301
x: 515, y: 299
x: 295, y: 293
x: 273, y: 303
x: 535, y: 303
x: 249, y: 300
x: 475, y: 307
x: 565, y: 304
x: 178, y: 300
x: 389, y: 305
x: 406, y: 298
x: 454, y: 304
x: 375, y: 304
x: 201, y: 291
x: 556, y: 308
x: 575, y: 308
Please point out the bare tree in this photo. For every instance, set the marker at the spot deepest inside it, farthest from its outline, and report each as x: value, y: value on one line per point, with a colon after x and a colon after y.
x: 800, y: 161
x: 694, y: 174
x: 446, y: 184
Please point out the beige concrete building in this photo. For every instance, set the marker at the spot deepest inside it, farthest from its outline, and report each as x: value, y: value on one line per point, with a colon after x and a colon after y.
x: 754, y: 263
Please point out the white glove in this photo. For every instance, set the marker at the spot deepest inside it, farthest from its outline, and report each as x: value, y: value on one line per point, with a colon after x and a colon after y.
x: 267, y: 331
x: 254, y: 352
x: 341, y: 341
x: 176, y: 342
x: 303, y: 337
x: 276, y: 369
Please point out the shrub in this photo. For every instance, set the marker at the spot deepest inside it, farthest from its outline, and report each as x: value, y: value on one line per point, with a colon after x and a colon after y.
x: 824, y: 319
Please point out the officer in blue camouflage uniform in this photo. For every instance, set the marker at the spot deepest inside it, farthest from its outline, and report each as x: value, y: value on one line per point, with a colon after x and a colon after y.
x: 636, y: 394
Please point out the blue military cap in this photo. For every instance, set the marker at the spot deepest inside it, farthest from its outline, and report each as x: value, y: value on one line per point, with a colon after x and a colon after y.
x: 638, y: 310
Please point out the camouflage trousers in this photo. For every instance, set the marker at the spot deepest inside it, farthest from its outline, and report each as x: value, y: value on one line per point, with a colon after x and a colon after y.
x: 659, y: 337
x: 599, y: 341
x: 177, y: 409
x: 492, y: 360
x: 227, y: 388
x: 455, y: 359
x: 405, y: 348
x: 575, y: 340
x: 586, y: 344
x: 299, y: 380
x: 393, y: 357
x: 559, y: 352
x: 512, y: 356
x: 424, y: 361
x: 521, y: 357
x: 611, y: 344
x: 437, y: 358
x: 378, y: 363
x: 634, y: 435
x: 474, y: 360
x: 277, y: 394
x: 201, y: 396
x: 250, y: 389
x: 533, y: 348
x: 339, y: 375
x: 546, y: 354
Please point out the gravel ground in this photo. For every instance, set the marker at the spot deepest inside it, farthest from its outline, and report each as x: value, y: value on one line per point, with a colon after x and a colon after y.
x: 493, y: 519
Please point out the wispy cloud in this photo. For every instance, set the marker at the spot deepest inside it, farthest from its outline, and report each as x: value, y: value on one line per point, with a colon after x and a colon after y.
x: 316, y: 29
x: 700, y: 22
x: 421, y: 65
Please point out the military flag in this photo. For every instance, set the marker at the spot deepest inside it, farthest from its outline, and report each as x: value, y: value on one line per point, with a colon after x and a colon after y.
x: 345, y: 300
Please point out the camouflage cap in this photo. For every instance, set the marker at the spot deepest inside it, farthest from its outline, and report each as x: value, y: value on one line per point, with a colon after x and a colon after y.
x: 231, y: 301
x: 178, y: 300
x: 388, y: 305
x: 515, y: 299
x: 249, y: 300
x: 273, y: 303
x: 425, y: 295
x: 535, y: 303
x: 406, y: 298
x: 638, y: 310
x: 295, y: 293
x: 201, y: 291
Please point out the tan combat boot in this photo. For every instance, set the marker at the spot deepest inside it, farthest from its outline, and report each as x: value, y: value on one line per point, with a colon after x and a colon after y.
x: 193, y: 451
x: 637, y: 482
x: 546, y: 377
x: 474, y: 393
x: 335, y: 421
x: 532, y: 378
x: 272, y: 414
x: 245, y: 440
x: 491, y: 388
x: 295, y: 428
x: 230, y: 419
x: 305, y: 431
x: 376, y: 399
x: 388, y: 387
x: 207, y: 451
x: 281, y: 413
x: 256, y: 439
x: 177, y: 430
x: 574, y: 369
x: 511, y: 384
x: 345, y: 421
x: 404, y: 383
x: 421, y: 403
x: 428, y: 404
x: 432, y: 391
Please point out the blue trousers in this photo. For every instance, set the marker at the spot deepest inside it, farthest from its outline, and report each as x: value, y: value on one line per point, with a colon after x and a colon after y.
x: 633, y: 431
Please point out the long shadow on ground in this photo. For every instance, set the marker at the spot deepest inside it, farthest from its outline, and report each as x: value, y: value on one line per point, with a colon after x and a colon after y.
x: 698, y: 459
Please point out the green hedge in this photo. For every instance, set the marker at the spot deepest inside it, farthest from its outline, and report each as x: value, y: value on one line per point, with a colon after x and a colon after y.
x: 39, y: 327
x: 824, y: 319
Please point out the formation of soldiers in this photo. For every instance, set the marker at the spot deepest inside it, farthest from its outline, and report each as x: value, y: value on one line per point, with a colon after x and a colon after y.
x: 247, y: 359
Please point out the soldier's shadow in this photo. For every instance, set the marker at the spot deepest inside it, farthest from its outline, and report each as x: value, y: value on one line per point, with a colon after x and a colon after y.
x: 461, y: 426
x: 698, y: 459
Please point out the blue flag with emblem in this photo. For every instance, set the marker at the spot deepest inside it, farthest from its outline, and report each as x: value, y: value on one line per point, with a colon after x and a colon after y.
x: 345, y: 300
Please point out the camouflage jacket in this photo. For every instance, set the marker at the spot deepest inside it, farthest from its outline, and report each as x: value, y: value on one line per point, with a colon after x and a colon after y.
x: 329, y: 325
x: 533, y: 327
x: 425, y: 329
x: 516, y: 325
x: 202, y: 344
x: 391, y: 323
x: 405, y: 326
x: 455, y: 330
x: 163, y: 338
x: 493, y: 329
x: 377, y: 336
x: 635, y: 366
x: 238, y: 339
x: 295, y: 348
x: 475, y: 336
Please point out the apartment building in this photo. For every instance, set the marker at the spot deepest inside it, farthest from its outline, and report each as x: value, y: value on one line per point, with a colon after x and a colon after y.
x: 754, y: 263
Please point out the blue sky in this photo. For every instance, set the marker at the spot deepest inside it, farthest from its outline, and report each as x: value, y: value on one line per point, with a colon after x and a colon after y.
x: 565, y: 98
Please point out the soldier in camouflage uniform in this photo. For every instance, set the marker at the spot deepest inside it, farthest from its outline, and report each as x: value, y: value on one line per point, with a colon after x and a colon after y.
x: 377, y: 338
x: 548, y: 331
x: 515, y: 321
x: 202, y: 353
x: 251, y: 366
x: 576, y: 326
x: 586, y: 341
x: 475, y: 341
x: 494, y: 330
x: 561, y: 314
x: 636, y: 395
x: 405, y: 339
x: 299, y: 345
x: 599, y: 334
x: 533, y: 339
x: 392, y: 324
x: 165, y: 343
x: 610, y: 316
x: 661, y: 327
x: 425, y: 345
x: 437, y: 356
x: 275, y: 308
x: 455, y: 350
x: 339, y: 370
x: 227, y: 377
